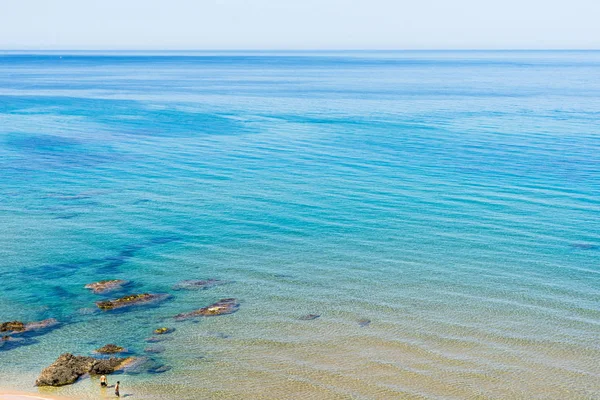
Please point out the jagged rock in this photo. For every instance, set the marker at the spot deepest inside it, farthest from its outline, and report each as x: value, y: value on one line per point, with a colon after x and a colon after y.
x: 107, y: 366
x: 221, y: 307
x: 309, y: 317
x: 18, y: 326
x: 12, y: 326
x: 198, y: 284
x: 364, y: 322
x: 111, y: 349
x: 154, y: 349
x: 106, y: 286
x: 130, y: 300
x: 68, y: 368
x: 163, y: 331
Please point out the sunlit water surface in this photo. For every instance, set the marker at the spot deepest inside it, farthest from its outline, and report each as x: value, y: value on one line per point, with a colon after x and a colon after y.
x: 451, y: 198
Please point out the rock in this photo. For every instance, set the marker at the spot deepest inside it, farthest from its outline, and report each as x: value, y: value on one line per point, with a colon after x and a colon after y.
x: 65, y: 370
x: 163, y: 331
x: 68, y: 368
x: 111, y: 349
x: 154, y: 349
x: 18, y: 326
x: 198, y: 284
x: 309, y: 317
x: 107, y: 366
x: 130, y: 300
x: 106, y: 286
x: 364, y: 322
x: 221, y: 307
x: 13, y: 326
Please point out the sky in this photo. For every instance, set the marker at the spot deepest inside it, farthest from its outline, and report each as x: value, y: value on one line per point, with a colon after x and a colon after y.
x: 298, y: 24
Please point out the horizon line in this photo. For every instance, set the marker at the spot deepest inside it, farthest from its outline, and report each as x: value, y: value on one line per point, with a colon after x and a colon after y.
x: 299, y: 50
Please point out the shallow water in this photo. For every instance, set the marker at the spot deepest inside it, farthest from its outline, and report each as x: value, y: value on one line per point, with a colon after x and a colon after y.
x: 451, y: 198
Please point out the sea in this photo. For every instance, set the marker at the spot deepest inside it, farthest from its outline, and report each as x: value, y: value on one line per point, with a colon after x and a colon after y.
x: 393, y: 224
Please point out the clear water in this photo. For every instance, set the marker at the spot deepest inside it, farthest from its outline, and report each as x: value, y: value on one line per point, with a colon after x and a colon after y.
x: 452, y: 198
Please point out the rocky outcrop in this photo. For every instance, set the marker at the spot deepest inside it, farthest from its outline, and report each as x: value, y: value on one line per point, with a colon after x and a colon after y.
x: 130, y: 300
x: 107, y: 366
x: 221, y: 307
x: 106, y: 286
x: 198, y: 284
x: 68, y: 368
x: 111, y: 349
x: 14, y: 327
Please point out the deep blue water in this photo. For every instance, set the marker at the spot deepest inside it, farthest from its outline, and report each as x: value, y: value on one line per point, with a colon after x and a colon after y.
x: 452, y: 198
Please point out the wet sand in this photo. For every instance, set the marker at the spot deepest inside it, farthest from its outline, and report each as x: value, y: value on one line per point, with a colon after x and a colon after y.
x: 14, y: 395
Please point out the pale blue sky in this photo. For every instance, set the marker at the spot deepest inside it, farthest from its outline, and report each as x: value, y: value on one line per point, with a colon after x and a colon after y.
x: 299, y: 24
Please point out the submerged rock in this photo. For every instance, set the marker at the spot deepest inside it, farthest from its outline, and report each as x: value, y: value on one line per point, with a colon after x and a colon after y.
x: 156, y: 339
x: 68, y: 368
x: 163, y: 331
x: 221, y: 307
x: 309, y: 317
x: 198, y: 284
x: 364, y: 322
x: 111, y: 349
x: 585, y: 246
x: 40, y: 325
x: 9, y: 342
x: 130, y: 300
x: 159, y: 369
x: 139, y: 365
x: 106, y: 286
x: 154, y: 349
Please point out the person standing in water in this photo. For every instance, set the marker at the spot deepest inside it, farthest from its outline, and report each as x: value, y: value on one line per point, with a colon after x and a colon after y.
x: 117, y: 387
x: 103, y: 381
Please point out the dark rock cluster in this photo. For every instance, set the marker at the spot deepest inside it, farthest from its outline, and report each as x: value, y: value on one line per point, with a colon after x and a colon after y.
x: 130, y: 300
x: 221, y: 307
x: 68, y: 368
x: 111, y: 349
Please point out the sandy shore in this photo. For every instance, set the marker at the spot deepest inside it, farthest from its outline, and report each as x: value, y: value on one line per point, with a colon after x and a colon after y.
x: 14, y: 395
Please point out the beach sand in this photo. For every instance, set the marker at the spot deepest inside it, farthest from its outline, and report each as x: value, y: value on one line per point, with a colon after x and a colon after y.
x: 14, y: 395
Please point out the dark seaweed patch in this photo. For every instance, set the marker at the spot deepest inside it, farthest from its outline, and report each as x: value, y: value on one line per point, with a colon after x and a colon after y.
x: 108, y: 264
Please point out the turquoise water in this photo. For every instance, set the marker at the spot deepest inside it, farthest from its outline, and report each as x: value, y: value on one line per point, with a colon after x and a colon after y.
x: 451, y: 198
